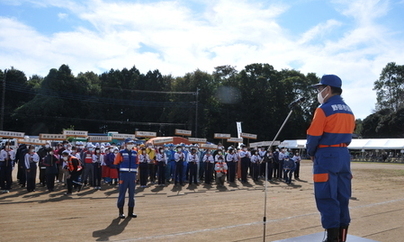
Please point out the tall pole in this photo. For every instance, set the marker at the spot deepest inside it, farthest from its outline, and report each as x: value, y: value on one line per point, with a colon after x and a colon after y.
x: 196, y: 112
x: 3, y: 100
x: 264, y: 220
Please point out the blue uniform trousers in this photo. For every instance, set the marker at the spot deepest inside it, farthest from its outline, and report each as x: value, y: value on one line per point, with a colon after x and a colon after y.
x: 332, y: 185
x: 127, y: 182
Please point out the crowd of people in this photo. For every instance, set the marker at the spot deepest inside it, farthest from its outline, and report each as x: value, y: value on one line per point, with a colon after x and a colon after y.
x: 83, y: 165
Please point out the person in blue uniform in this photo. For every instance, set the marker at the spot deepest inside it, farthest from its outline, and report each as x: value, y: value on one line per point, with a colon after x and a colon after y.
x: 193, y: 161
x: 161, y: 159
x: 7, y: 157
x: 31, y: 164
x: 288, y: 168
x: 179, y: 158
x: 128, y: 164
x: 328, y: 136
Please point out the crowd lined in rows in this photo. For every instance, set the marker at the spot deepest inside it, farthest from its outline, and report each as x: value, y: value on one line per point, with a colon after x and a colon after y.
x: 82, y: 164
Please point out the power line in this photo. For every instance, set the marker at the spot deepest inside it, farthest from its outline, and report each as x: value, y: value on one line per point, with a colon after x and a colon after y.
x: 149, y: 91
x: 17, y: 87
x: 112, y: 121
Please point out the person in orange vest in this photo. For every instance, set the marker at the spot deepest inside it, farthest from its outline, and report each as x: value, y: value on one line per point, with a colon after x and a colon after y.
x: 75, y: 169
x: 128, y: 164
x: 221, y: 171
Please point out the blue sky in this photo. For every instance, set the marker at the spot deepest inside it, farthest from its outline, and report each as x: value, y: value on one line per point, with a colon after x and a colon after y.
x: 353, y: 39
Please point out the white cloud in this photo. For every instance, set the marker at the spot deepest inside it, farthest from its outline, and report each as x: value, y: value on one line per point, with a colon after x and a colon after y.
x: 62, y: 15
x: 180, y: 39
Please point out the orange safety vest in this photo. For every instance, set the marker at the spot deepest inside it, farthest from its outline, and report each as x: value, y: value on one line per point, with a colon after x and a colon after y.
x: 71, y: 166
x: 221, y: 164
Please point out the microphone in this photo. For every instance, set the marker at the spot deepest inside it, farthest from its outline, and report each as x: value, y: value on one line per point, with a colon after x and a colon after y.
x: 297, y: 101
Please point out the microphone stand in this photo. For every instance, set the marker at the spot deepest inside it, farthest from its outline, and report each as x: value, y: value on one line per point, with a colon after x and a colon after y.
x: 266, y: 174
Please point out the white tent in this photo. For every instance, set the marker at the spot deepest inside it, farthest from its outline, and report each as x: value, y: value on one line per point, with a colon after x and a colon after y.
x: 358, y: 144
x: 377, y: 144
x: 293, y: 144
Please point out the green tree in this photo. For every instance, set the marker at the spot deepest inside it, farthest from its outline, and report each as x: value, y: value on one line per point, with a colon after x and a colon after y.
x: 390, y: 87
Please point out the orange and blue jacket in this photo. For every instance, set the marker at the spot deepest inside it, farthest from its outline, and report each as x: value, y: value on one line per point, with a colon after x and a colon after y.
x: 127, y: 160
x: 333, y: 124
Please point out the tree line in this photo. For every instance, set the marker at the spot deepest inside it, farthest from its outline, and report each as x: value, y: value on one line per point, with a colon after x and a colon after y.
x: 127, y: 100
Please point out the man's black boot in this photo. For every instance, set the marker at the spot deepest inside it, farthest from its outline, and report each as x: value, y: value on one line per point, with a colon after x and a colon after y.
x: 332, y: 235
x: 121, y: 214
x: 343, y: 233
x: 130, y: 213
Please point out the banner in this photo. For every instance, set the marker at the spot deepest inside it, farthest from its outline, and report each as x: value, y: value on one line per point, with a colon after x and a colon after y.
x: 264, y: 143
x: 145, y: 134
x: 52, y: 137
x: 197, y: 140
x: 222, y: 136
x: 99, y: 138
x: 248, y: 136
x: 163, y: 141
x: 31, y: 141
x: 123, y: 136
x: 235, y: 140
x: 11, y: 134
x: 75, y: 133
x: 208, y: 146
x: 183, y: 132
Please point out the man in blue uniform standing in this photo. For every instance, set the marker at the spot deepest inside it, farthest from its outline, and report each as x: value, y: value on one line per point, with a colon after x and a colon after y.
x: 327, y: 139
x: 128, y: 163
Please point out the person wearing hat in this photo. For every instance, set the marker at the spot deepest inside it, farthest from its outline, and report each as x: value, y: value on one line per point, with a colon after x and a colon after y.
x: 244, y: 155
x: 169, y: 150
x: 275, y: 169
x: 193, y: 161
x: 128, y: 164
x: 221, y: 171
x: 328, y: 136
x: 88, y: 173
x: 151, y: 153
x: 144, y: 162
x: 42, y: 168
x: 179, y: 158
x: 231, y: 159
x: 255, y: 164
x: 20, y: 160
x: 7, y: 158
x: 209, y: 163
x: 31, y: 164
x: 297, y: 160
x: 73, y: 166
x: 288, y: 168
x: 161, y: 159
x: 97, y: 160
x: 51, y: 162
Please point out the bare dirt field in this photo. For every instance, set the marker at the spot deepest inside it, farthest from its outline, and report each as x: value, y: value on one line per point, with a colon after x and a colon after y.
x: 205, y: 213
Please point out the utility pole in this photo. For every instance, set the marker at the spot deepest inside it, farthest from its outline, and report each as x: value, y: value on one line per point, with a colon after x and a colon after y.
x: 196, y: 112
x: 3, y: 100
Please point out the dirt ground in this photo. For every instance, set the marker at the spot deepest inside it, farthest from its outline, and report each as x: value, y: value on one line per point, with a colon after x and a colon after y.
x: 205, y: 213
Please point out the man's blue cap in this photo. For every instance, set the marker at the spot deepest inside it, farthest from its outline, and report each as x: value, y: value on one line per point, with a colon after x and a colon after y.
x: 129, y: 140
x: 329, y: 80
